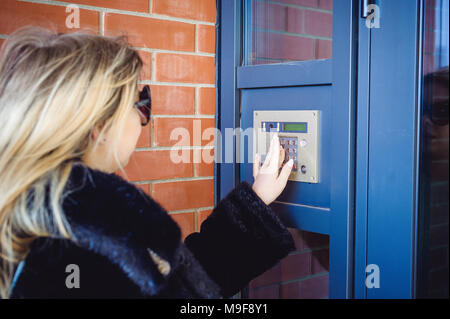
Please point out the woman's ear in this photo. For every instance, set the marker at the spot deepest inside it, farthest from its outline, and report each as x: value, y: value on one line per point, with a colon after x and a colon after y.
x: 96, y: 132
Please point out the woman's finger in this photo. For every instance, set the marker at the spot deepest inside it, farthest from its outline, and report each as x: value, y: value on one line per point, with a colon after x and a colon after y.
x: 275, y: 156
x: 282, y: 155
x: 256, y: 164
x: 285, y: 172
x: 269, y: 153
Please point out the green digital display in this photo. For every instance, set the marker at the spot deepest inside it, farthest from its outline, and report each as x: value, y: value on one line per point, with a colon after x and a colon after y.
x: 296, y: 127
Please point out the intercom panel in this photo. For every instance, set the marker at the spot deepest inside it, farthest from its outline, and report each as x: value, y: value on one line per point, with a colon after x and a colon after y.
x: 298, y: 134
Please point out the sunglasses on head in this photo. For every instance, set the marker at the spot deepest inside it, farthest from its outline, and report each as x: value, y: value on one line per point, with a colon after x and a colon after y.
x: 144, y: 105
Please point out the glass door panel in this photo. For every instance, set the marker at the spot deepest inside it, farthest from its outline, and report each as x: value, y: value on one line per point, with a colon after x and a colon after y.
x: 288, y: 30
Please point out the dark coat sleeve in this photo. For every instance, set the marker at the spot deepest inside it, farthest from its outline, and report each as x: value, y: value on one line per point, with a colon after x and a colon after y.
x: 241, y: 239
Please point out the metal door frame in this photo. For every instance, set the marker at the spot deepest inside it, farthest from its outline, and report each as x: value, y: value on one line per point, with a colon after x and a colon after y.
x: 388, y: 122
x: 231, y: 77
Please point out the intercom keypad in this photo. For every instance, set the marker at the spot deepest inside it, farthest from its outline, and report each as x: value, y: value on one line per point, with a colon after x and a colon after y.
x: 290, y: 145
x: 298, y: 132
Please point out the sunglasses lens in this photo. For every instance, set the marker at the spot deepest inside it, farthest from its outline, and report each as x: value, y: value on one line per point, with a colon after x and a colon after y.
x: 145, y: 112
x: 145, y: 104
x: 144, y: 94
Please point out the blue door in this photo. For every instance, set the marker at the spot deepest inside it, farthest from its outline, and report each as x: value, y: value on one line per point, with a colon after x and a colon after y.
x: 357, y: 64
x: 296, y: 56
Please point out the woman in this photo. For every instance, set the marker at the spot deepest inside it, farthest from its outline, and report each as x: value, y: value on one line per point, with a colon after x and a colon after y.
x: 76, y: 229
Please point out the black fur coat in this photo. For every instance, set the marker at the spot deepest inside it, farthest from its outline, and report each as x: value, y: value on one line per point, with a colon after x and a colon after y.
x: 129, y: 247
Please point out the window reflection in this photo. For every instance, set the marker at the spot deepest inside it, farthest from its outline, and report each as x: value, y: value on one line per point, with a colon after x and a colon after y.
x: 289, y: 30
x: 433, y: 252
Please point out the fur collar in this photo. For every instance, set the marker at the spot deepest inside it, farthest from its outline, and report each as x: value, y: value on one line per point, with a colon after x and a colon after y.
x: 112, y: 217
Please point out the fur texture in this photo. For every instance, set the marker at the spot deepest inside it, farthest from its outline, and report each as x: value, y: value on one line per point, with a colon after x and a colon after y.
x: 127, y: 246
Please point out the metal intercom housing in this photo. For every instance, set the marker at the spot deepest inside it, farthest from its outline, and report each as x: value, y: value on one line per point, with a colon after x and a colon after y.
x: 298, y: 132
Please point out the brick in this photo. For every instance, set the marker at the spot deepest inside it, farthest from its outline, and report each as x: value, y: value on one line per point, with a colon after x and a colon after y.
x: 272, y: 292
x: 129, y: 5
x: 439, y: 280
x: 144, y: 138
x: 438, y: 258
x: 306, y: 240
x: 144, y: 187
x: 326, y: 5
x: 1, y: 43
x: 203, y: 10
x: 314, y: 288
x: 439, y: 193
x: 304, y: 3
x: 15, y: 14
x: 269, y: 16
x: 204, y: 168
x: 439, y: 146
x: 430, y: 19
x: 296, y: 266
x: 439, y: 235
x: 297, y: 236
x: 207, y: 101
x: 320, y: 260
x: 163, y: 127
x: 152, y: 165
x: 324, y: 49
x: 428, y: 63
x: 430, y: 41
x: 295, y: 20
x: 284, y: 47
x: 290, y: 291
x: 259, y: 61
x: 152, y: 33
x: 146, y: 73
x: 318, y: 23
x: 186, y: 221
x: 314, y: 240
x: 185, y: 194
x: 172, y: 100
x: 439, y: 214
x: 439, y: 171
x: 271, y: 276
x: 184, y: 68
x: 430, y: 4
x: 206, y: 38
x: 202, y: 215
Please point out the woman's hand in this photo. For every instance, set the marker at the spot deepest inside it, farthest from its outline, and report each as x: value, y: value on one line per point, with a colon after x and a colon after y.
x: 268, y: 184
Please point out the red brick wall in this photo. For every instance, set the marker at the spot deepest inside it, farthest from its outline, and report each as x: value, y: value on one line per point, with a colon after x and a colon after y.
x: 176, y: 40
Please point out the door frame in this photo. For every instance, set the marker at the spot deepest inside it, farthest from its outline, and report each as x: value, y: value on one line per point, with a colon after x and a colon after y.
x: 372, y: 220
x: 387, y: 164
x: 232, y: 77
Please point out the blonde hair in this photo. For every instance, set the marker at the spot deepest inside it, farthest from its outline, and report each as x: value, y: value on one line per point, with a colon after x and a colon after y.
x: 54, y: 88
